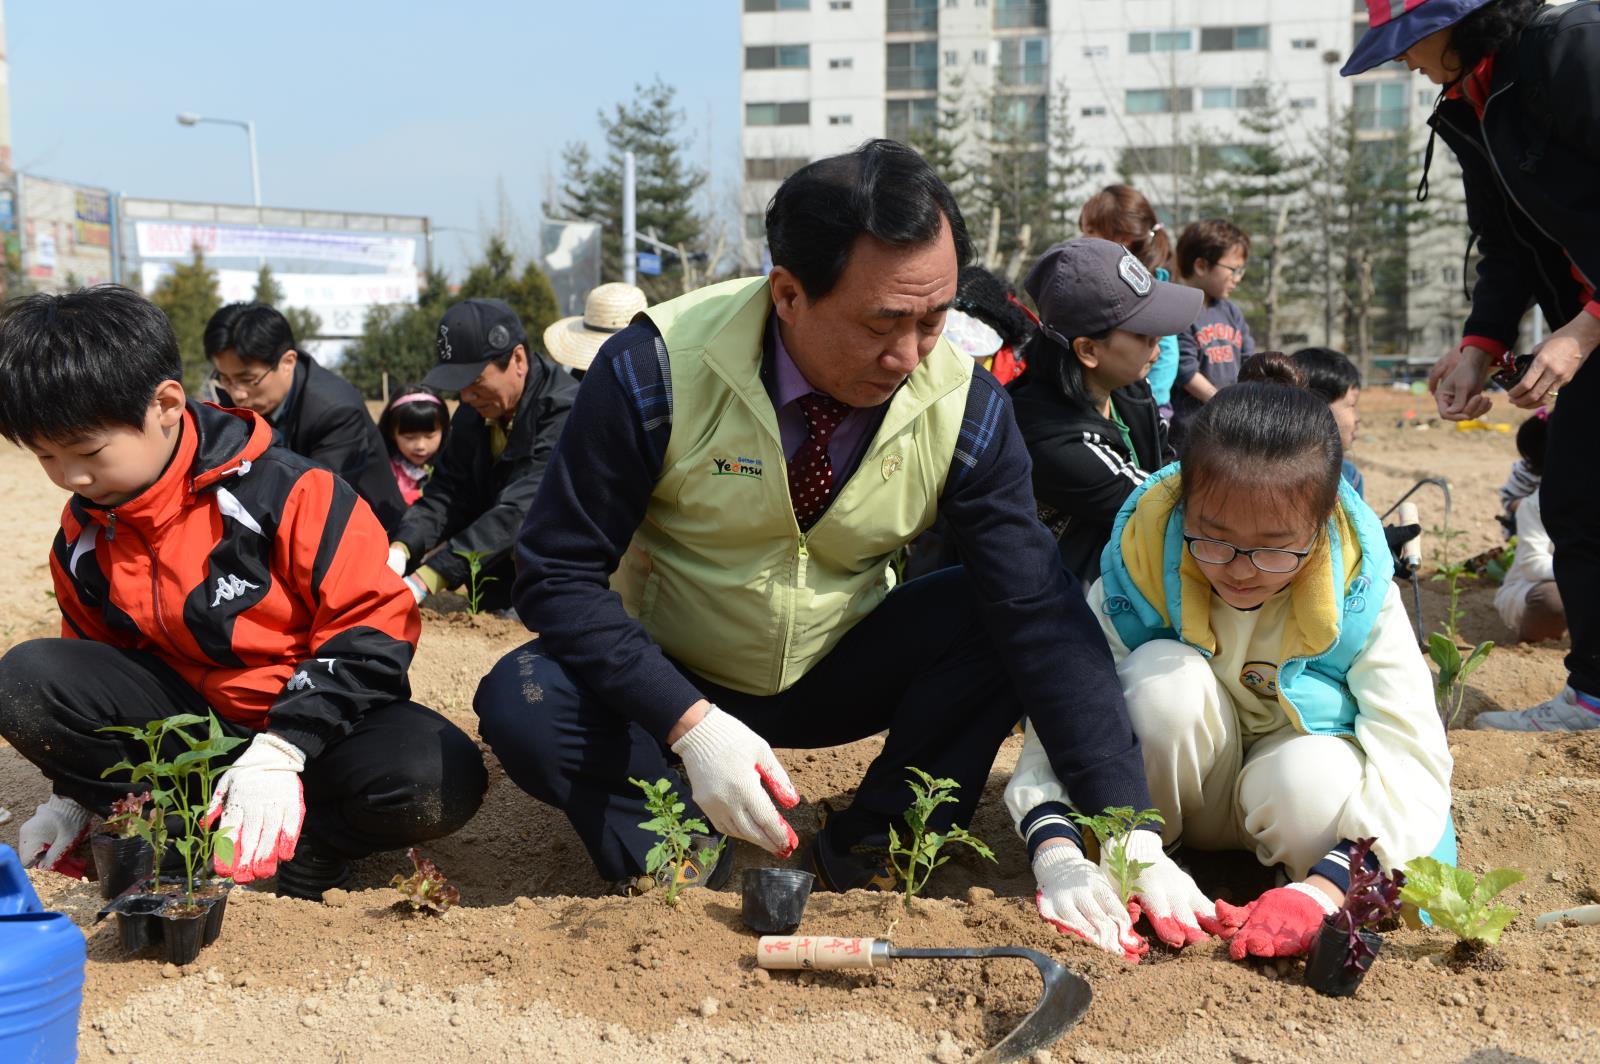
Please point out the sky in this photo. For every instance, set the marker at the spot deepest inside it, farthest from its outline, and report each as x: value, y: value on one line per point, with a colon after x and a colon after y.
x: 404, y: 107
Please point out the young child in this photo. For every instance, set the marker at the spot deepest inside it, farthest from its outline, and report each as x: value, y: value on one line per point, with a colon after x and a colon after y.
x: 1122, y: 214
x: 200, y: 567
x: 1085, y: 409
x: 1528, y: 600
x: 1211, y: 257
x: 1526, y: 472
x: 1270, y: 670
x: 1334, y: 379
x: 414, y: 426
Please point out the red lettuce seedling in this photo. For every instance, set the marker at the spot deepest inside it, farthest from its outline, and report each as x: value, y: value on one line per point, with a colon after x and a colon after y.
x: 127, y: 814
x: 1374, y: 896
x: 426, y: 887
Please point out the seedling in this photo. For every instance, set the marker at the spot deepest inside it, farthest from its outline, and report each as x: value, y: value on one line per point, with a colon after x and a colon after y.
x: 476, y: 581
x: 914, y: 861
x: 1500, y: 562
x: 182, y: 787
x: 1112, y: 828
x: 676, y: 845
x: 127, y: 816
x: 1460, y: 902
x: 1373, y: 897
x: 1450, y: 689
x: 426, y: 887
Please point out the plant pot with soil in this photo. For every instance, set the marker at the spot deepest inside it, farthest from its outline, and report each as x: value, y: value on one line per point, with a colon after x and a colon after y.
x: 774, y: 899
x: 1345, y: 946
x: 123, y: 848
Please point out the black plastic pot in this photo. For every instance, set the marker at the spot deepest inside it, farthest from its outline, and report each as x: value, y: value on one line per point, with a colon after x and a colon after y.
x: 183, y: 933
x: 119, y: 862
x: 138, y: 924
x: 1326, y: 971
x: 216, y: 906
x: 775, y: 899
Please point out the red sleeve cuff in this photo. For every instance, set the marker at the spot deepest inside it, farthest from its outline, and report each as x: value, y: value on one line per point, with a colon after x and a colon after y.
x: 1494, y: 347
x: 1592, y: 308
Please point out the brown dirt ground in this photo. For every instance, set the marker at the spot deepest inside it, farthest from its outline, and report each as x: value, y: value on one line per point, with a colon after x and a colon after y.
x: 538, y: 964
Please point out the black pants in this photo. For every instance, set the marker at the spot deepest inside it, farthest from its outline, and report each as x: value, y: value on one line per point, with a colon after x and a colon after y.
x: 1570, y: 505
x: 402, y: 776
x: 921, y: 665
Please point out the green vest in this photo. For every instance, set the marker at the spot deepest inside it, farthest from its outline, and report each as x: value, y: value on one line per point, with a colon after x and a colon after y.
x: 718, y: 572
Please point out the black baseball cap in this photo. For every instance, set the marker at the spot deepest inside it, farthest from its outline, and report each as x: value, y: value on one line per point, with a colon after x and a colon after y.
x: 1088, y: 286
x: 472, y: 334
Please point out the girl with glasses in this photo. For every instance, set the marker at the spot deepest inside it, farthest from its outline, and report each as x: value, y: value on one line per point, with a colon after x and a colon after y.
x: 1270, y: 671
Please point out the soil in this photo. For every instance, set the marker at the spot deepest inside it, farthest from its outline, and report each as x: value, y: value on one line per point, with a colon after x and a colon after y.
x: 540, y: 963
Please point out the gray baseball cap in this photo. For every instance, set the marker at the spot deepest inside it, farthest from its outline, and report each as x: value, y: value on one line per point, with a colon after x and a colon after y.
x: 1088, y: 286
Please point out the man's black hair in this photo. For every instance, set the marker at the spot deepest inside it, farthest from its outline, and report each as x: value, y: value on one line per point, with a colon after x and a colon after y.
x: 74, y: 364
x: 883, y: 189
x: 253, y: 331
x: 1489, y: 29
x: 1328, y: 373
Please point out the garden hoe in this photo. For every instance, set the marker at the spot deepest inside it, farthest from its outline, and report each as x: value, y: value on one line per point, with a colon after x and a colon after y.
x: 1065, y: 999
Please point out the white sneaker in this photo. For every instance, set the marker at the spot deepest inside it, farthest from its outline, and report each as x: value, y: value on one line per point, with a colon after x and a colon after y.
x: 1564, y: 712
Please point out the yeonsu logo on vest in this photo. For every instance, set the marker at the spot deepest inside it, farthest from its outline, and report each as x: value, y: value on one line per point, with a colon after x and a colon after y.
x: 736, y: 467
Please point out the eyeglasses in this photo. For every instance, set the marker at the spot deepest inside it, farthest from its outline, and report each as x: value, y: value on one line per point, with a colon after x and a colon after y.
x: 1267, y: 559
x: 244, y: 384
x: 1237, y: 271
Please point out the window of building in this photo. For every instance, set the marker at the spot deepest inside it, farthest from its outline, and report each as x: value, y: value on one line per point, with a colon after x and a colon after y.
x: 1096, y: 51
x: 1159, y: 101
x: 777, y: 114
x: 951, y: 57
x: 913, y: 16
x: 905, y: 118
x: 772, y: 169
x: 1021, y: 119
x: 912, y: 65
x: 840, y: 120
x: 839, y: 5
x: 1023, y: 61
x: 1096, y: 111
x: 777, y: 56
x: 1020, y: 14
x: 1303, y: 103
x: 1216, y: 98
x: 1303, y: 44
x: 1381, y: 105
x: 1233, y: 38
x: 1250, y: 96
x: 1095, y: 168
x: 777, y: 5
x: 841, y: 63
x: 980, y: 56
x: 1160, y: 41
x: 1449, y: 275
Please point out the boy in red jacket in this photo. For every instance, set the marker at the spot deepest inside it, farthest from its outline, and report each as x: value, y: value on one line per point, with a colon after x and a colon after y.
x: 200, y: 568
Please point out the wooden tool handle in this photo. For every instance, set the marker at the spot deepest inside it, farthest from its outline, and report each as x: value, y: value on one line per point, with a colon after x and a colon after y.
x: 820, y: 952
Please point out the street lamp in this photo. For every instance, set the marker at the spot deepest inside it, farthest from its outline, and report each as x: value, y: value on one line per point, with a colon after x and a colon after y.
x: 189, y: 118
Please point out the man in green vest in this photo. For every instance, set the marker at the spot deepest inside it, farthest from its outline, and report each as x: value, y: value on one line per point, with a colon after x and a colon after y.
x: 707, y: 560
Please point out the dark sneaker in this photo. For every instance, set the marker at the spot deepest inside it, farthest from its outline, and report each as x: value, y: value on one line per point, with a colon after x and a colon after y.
x: 709, y: 865
x: 862, y: 867
x: 311, y: 872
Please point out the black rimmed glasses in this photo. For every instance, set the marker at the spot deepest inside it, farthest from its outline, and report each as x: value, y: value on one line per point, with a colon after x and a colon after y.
x: 1267, y: 559
x: 242, y: 384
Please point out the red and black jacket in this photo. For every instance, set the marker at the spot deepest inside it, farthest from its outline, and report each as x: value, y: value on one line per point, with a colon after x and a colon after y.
x: 256, y: 575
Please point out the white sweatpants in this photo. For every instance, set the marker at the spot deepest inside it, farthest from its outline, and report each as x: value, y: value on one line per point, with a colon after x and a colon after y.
x: 1281, y: 798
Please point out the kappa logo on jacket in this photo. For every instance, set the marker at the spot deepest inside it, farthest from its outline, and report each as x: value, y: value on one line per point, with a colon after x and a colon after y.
x: 231, y: 587
x: 300, y: 682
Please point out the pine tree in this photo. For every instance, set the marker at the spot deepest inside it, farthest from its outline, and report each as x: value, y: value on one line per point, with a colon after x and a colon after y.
x: 303, y: 322
x: 496, y: 276
x: 942, y: 142
x: 398, y: 340
x: 188, y: 295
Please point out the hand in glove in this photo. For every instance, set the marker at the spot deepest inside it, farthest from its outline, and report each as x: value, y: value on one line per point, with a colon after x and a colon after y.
x: 51, y: 837
x: 261, y: 804
x: 1397, y: 536
x: 1280, y: 923
x: 727, y: 764
x: 1075, y: 896
x: 397, y: 560
x: 1180, y: 914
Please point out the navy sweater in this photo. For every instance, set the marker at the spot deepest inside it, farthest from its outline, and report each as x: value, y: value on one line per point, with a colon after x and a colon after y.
x: 598, y: 486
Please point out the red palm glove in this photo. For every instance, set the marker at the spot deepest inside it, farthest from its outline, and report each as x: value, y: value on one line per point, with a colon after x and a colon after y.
x: 1280, y: 923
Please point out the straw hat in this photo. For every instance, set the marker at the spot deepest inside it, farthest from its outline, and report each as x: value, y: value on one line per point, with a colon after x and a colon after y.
x: 609, y: 309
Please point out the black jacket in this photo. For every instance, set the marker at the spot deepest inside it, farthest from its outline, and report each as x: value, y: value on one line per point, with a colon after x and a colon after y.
x: 327, y: 422
x: 1531, y: 170
x: 1082, y: 469
x: 475, y: 502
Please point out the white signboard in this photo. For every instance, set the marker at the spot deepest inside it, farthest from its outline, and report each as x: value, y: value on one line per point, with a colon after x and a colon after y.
x: 177, y: 240
x: 341, y: 300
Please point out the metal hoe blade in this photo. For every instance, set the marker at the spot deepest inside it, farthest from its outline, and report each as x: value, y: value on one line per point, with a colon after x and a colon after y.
x: 1065, y: 1000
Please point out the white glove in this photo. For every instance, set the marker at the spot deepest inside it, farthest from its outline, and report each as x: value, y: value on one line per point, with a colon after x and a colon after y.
x: 397, y: 560
x: 418, y: 589
x: 1180, y: 914
x: 262, y: 805
x: 726, y: 764
x: 1075, y: 896
x: 53, y: 833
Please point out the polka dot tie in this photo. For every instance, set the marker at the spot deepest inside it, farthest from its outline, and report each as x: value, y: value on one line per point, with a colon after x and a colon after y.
x: 811, y: 470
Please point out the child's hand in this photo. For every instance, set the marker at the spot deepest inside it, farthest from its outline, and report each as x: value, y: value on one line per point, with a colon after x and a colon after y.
x: 1178, y: 910
x: 1280, y: 923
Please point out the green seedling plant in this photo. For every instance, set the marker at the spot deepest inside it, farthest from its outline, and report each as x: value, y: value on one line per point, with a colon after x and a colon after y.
x: 476, y: 581
x: 676, y: 834
x: 1113, y: 828
x: 1460, y: 902
x: 425, y: 889
x: 1450, y: 688
x: 1500, y: 564
x: 182, y: 787
x: 915, y: 860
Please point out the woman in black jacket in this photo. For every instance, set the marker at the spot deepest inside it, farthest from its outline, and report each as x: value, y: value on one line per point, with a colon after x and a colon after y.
x: 1086, y: 413
x: 1521, y: 110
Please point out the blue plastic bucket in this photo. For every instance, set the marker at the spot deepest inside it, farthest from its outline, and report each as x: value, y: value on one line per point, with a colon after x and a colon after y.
x: 41, y: 974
